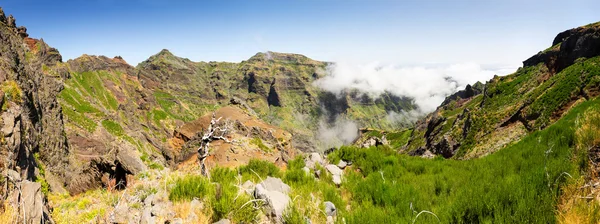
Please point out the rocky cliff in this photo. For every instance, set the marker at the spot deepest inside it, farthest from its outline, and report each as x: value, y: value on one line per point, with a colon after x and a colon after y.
x: 33, y: 144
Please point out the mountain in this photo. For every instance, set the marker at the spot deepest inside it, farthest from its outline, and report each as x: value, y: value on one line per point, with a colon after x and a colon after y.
x: 485, y: 118
x: 94, y: 139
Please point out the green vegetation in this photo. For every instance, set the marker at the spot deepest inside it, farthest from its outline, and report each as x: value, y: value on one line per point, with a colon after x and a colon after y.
x: 91, y: 84
x: 113, y: 128
x: 257, y: 170
x: 220, y: 192
x: 190, y: 187
x: 41, y: 177
x: 12, y: 91
x: 564, y: 87
x: 258, y: 142
x: 78, y: 119
x: 157, y: 115
x: 520, y: 183
x: 73, y: 98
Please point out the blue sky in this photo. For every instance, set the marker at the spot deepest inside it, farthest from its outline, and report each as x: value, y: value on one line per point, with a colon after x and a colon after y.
x: 486, y: 32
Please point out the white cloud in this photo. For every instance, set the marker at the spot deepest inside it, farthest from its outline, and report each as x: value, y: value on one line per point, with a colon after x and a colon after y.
x: 427, y: 85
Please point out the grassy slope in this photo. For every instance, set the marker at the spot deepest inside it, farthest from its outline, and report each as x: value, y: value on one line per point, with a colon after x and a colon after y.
x: 517, y: 184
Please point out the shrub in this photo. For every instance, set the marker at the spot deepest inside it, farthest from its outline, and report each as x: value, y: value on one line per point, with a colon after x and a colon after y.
x: 258, y: 142
x: 12, y: 91
x: 190, y: 187
x: 259, y: 167
x: 228, y: 200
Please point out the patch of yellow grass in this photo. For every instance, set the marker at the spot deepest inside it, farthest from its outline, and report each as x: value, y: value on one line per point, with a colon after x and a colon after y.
x: 578, y: 204
x: 9, y: 215
x: 184, y: 210
x: 84, y: 208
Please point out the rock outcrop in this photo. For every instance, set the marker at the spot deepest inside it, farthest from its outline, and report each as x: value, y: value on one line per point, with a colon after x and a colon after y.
x: 568, y: 46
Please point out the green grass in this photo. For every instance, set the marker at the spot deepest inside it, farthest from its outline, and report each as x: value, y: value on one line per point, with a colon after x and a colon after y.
x: 157, y: 115
x: 12, y: 91
x: 91, y: 83
x: 258, y: 142
x: 113, y: 128
x: 398, y: 139
x: 190, y: 187
x: 78, y: 119
x: 518, y: 184
x: 257, y: 170
x: 567, y: 84
x: 221, y: 193
x: 73, y: 98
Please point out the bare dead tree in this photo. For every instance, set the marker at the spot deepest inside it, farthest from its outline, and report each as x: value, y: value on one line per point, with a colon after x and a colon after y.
x: 216, y: 131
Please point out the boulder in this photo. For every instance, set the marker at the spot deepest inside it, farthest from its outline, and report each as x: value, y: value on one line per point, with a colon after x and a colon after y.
x: 342, y: 164
x: 318, y: 173
x: 275, y: 201
x: 33, y: 203
x: 129, y: 159
x: 313, y: 159
x: 248, y: 187
x: 337, y: 179
x: 275, y: 184
x: 334, y: 170
x: 120, y: 214
x: 330, y: 220
x: 149, y: 200
x: 330, y: 209
x: 12, y: 175
x: 306, y: 170
x: 196, y: 204
x: 336, y: 173
x: 147, y: 217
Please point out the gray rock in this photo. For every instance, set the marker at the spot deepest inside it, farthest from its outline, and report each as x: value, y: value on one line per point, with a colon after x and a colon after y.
x: 275, y: 184
x: 147, y: 217
x: 33, y: 203
x: 248, y: 187
x: 120, y: 214
x: 223, y: 221
x: 196, y: 204
x: 330, y: 209
x: 318, y: 173
x: 149, y: 200
x: 306, y: 170
x: 10, y: 118
x: 275, y: 201
x: 313, y: 159
x: 330, y: 220
x: 334, y: 170
x: 12, y: 175
x: 337, y: 179
x: 129, y: 158
x: 342, y: 164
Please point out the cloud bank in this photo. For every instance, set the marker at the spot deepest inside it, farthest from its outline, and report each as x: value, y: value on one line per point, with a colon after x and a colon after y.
x: 428, y: 86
